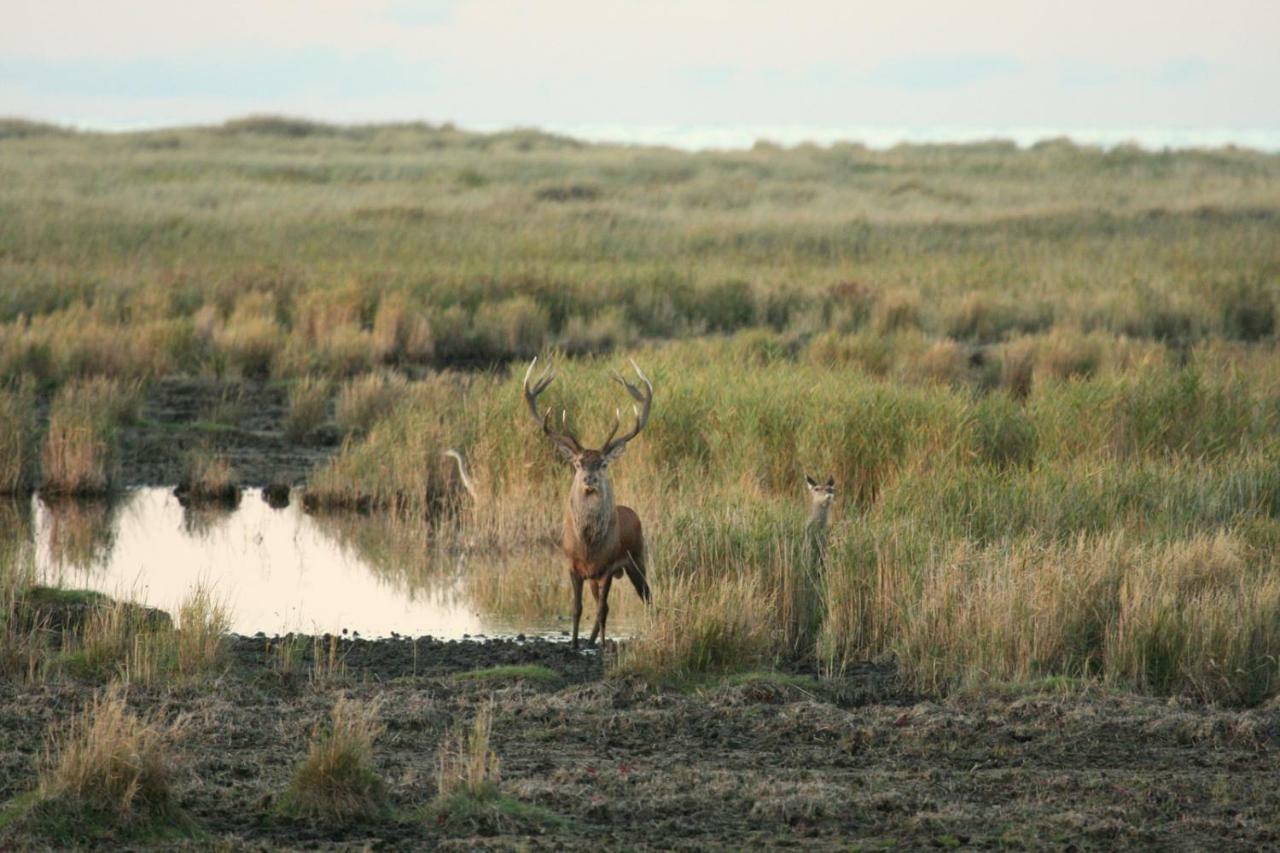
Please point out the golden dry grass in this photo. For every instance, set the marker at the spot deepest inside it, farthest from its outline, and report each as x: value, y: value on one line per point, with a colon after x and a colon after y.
x: 365, y: 400
x: 78, y: 453
x: 110, y: 763
x: 17, y: 434
x: 308, y: 407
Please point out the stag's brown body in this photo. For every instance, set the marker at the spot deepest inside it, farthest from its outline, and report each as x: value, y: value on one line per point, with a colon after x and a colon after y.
x: 601, y: 539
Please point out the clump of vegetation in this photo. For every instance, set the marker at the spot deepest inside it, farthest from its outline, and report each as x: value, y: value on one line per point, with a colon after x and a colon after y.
x: 23, y: 647
x: 365, y: 400
x: 208, y: 477
x: 103, y: 639
x: 401, y: 332
x: 78, y: 453
x: 108, y: 769
x: 468, y: 778
x: 896, y: 311
x: 1248, y: 311
x: 465, y: 762
x: 204, y: 620
x: 249, y: 340
x: 17, y: 435
x: 338, y: 780
x: 401, y: 463
x: 694, y: 630
x: 308, y: 407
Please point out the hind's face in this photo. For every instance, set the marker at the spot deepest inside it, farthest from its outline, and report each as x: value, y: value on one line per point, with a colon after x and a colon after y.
x: 821, y: 494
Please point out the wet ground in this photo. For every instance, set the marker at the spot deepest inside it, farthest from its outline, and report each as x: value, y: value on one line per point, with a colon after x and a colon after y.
x: 242, y: 420
x: 759, y: 763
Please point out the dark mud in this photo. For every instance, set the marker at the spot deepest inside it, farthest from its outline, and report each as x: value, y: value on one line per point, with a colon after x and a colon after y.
x: 242, y: 420
x: 731, y: 765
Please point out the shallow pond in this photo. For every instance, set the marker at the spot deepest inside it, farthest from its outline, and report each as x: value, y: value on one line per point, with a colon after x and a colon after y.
x: 279, y: 570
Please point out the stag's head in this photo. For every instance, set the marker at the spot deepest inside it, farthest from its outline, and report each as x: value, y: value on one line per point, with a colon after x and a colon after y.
x: 590, y: 467
x: 821, y: 494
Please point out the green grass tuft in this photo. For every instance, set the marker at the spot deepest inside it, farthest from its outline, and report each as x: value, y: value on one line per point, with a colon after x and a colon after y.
x: 338, y: 781
x: 512, y: 672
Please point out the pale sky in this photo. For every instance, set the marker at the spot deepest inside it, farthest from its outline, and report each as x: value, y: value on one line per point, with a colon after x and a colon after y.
x: 980, y: 63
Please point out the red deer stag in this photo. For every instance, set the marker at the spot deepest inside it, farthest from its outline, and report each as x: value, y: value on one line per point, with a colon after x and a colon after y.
x: 600, y: 539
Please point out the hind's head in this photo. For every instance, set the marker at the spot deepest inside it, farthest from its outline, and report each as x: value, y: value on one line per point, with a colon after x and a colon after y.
x: 821, y: 494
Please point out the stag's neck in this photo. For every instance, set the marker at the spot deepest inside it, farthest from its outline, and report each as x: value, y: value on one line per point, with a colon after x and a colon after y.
x: 590, y: 516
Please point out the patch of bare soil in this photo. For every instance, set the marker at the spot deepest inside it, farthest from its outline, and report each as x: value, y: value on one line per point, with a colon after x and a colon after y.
x: 755, y: 763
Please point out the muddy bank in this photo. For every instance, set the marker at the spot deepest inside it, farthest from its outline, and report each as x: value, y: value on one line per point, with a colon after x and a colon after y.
x: 760, y: 762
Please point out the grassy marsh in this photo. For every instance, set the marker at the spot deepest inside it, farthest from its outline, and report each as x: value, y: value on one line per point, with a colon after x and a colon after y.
x: 240, y: 251
x: 1035, y: 374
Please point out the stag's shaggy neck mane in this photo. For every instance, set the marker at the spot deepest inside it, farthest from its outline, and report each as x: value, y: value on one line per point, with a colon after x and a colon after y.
x: 591, y: 513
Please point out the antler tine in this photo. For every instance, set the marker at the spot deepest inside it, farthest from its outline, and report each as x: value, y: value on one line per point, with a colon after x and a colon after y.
x: 642, y: 396
x: 617, y: 422
x: 564, y: 438
x: 640, y: 373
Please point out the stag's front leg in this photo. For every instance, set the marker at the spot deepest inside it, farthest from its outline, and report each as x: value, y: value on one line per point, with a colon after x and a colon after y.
x: 577, y: 603
x: 602, y: 610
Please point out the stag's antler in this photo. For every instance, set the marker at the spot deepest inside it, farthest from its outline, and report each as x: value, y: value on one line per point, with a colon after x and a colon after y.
x: 565, y: 440
x: 643, y: 396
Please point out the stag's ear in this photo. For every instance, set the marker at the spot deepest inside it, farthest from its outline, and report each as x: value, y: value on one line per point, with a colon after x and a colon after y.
x: 813, y: 484
x: 567, y: 453
x: 614, y: 454
x: 831, y: 482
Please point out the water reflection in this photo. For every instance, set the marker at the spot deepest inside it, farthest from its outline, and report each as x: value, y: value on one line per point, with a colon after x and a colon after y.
x: 202, y: 519
x: 281, y: 570
x: 397, y: 551
x: 79, y: 534
x: 15, y: 529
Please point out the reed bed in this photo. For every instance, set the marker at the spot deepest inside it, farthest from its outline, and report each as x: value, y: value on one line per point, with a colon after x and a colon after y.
x: 17, y: 440
x: 77, y: 458
x: 979, y: 534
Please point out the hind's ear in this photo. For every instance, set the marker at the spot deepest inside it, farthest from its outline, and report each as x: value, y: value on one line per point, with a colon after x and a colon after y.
x: 831, y: 482
x: 812, y: 482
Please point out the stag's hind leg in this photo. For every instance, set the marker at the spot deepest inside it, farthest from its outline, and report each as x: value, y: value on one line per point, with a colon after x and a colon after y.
x: 577, y: 603
x: 601, y: 591
x: 635, y: 571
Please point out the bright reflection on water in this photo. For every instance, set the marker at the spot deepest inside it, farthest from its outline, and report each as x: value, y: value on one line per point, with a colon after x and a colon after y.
x: 279, y: 570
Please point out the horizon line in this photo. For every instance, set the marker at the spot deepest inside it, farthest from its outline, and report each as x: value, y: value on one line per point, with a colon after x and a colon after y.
x: 723, y: 136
